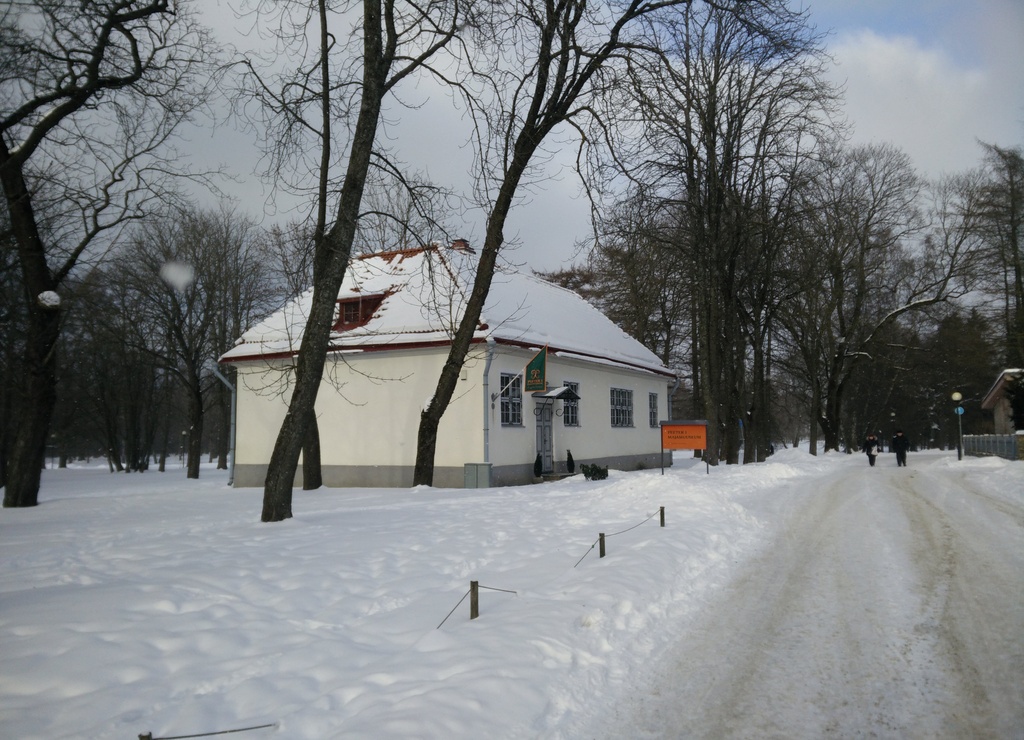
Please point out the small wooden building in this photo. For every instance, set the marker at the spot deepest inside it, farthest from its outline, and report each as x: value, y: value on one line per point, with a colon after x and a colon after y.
x: 998, y: 402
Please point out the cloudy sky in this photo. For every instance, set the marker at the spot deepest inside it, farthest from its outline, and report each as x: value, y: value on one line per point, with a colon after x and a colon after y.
x: 931, y: 76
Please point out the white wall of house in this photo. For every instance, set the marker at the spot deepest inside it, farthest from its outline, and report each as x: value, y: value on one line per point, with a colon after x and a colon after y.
x: 262, y: 397
x: 594, y: 439
x: 1002, y: 416
x: 368, y: 411
x: 372, y: 415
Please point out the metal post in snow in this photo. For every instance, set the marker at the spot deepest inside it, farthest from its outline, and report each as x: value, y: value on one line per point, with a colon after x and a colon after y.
x: 231, y: 441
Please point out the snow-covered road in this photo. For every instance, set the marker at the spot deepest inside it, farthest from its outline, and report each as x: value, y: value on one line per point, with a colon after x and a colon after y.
x: 889, y: 604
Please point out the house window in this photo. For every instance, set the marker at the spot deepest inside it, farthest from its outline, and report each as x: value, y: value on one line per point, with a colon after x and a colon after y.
x: 652, y: 409
x: 571, y: 408
x: 351, y: 312
x: 355, y: 312
x: 511, y: 399
x: 622, y: 407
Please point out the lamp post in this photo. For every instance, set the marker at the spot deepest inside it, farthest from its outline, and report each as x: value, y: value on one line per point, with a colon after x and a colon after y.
x: 959, y: 411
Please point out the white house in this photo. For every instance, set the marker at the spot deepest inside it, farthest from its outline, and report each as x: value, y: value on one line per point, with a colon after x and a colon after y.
x: 604, y: 396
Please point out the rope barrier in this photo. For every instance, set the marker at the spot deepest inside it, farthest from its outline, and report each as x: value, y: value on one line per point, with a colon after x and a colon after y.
x: 586, y: 553
x: 149, y: 735
x: 612, y: 535
x: 633, y: 527
x: 489, y: 588
x: 503, y: 590
x: 452, y: 611
x: 589, y: 550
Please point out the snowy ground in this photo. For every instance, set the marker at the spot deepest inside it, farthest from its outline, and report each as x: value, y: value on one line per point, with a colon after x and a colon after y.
x: 799, y: 597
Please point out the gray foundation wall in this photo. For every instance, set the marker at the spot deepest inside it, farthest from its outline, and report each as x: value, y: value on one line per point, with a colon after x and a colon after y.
x: 400, y: 476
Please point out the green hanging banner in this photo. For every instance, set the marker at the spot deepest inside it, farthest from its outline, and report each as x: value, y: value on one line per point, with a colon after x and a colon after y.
x: 536, y: 372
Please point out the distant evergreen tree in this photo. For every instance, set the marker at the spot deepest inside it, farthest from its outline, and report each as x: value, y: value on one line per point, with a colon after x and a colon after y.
x: 1015, y: 392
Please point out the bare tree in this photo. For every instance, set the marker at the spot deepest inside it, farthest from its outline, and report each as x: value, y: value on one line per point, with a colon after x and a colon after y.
x: 725, y: 118
x: 113, y: 395
x: 291, y: 249
x: 247, y: 291
x: 636, y: 279
x: 541, y: 63
x: 197, y: 277
x: 1003, y: 228
x: 867, y: 260
x: 92, y: 95
x: 319, y: 100
x: 167, y: 264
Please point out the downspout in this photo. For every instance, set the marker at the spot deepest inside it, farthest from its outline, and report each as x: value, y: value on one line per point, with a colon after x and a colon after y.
x: 231, y: 440
x: 671, y: 393
x: 487, y: 400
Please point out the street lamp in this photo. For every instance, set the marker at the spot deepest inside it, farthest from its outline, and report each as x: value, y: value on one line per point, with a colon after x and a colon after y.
x: 959, y: 411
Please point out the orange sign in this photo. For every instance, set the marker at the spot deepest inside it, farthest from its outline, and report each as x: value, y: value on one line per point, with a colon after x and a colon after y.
x: 684, y: 435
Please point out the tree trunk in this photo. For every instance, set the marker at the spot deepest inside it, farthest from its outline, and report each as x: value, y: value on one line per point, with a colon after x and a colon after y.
x: 312, y: 472
x: 430, y: 417
x: 830, y: 420
x: 696, y: 406
x: 284, y: 460
x: 734, y: 406
x: 813, y: 423
x: 28, y: 448
x: 195, y: 428
x: 331, y: 261
x: 754, y: 447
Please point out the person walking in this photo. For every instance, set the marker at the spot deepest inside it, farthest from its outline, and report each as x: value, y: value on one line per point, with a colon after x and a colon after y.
x: 872, y: 446
x: 900, y: 445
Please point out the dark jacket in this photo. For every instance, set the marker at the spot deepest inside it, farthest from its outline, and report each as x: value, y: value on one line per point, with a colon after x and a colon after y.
x: 872, y: 446
x: 900, y: 443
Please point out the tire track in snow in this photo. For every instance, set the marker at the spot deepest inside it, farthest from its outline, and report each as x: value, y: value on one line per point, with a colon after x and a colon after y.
x: 974, y: 547
x: 864, y: 617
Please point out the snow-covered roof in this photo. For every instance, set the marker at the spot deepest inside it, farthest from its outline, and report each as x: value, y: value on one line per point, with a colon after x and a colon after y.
x: 999, y: 387
x: 424, y: 292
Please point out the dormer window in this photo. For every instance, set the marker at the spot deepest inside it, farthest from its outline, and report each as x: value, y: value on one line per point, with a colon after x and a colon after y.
x: 355, y: 312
